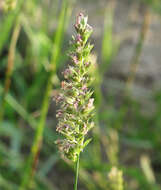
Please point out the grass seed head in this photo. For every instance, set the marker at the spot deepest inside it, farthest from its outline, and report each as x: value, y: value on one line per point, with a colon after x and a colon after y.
x: 75, y: 115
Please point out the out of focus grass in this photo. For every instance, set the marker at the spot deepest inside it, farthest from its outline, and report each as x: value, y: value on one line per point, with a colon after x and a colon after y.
x: 124, y: 137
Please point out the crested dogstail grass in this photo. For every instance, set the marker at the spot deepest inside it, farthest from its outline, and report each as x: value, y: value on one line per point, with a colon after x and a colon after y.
x: 76, y: 105
x: 125, y: 152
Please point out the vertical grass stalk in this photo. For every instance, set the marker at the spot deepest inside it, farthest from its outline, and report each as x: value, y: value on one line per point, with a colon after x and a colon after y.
x: 10, y: 66
x: 35, y: 150
x: 109, y: 44
x: 8, y: 22
x: 77, y: 173
x: 134, y: 63
x: 139, y: 47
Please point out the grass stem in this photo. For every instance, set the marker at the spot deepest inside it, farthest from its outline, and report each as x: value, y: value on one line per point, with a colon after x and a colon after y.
x: 139, y: 48
x: 35, y: 149
x: 10, y: 66
x: 77, y: 173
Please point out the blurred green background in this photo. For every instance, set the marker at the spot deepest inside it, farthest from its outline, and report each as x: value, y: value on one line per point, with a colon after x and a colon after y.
x: 126, y: 145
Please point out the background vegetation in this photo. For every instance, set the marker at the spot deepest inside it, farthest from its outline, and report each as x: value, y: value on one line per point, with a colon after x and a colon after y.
x: 34, y: 37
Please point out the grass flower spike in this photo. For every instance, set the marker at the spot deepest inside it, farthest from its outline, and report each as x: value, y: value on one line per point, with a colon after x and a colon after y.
x: 75, y: 115
x: 115, y: 178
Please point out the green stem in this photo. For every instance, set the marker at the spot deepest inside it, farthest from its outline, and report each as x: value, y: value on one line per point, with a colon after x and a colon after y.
x: 6, y: 26
x: 38, y: 139
x: 10, y: 66
x: 35, y: 150
x: 77, y: 173
x: 138, y: 50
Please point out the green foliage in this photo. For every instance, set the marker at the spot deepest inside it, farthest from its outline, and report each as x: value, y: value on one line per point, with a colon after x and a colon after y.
x: 125, y: 150
x: 155, y: 4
